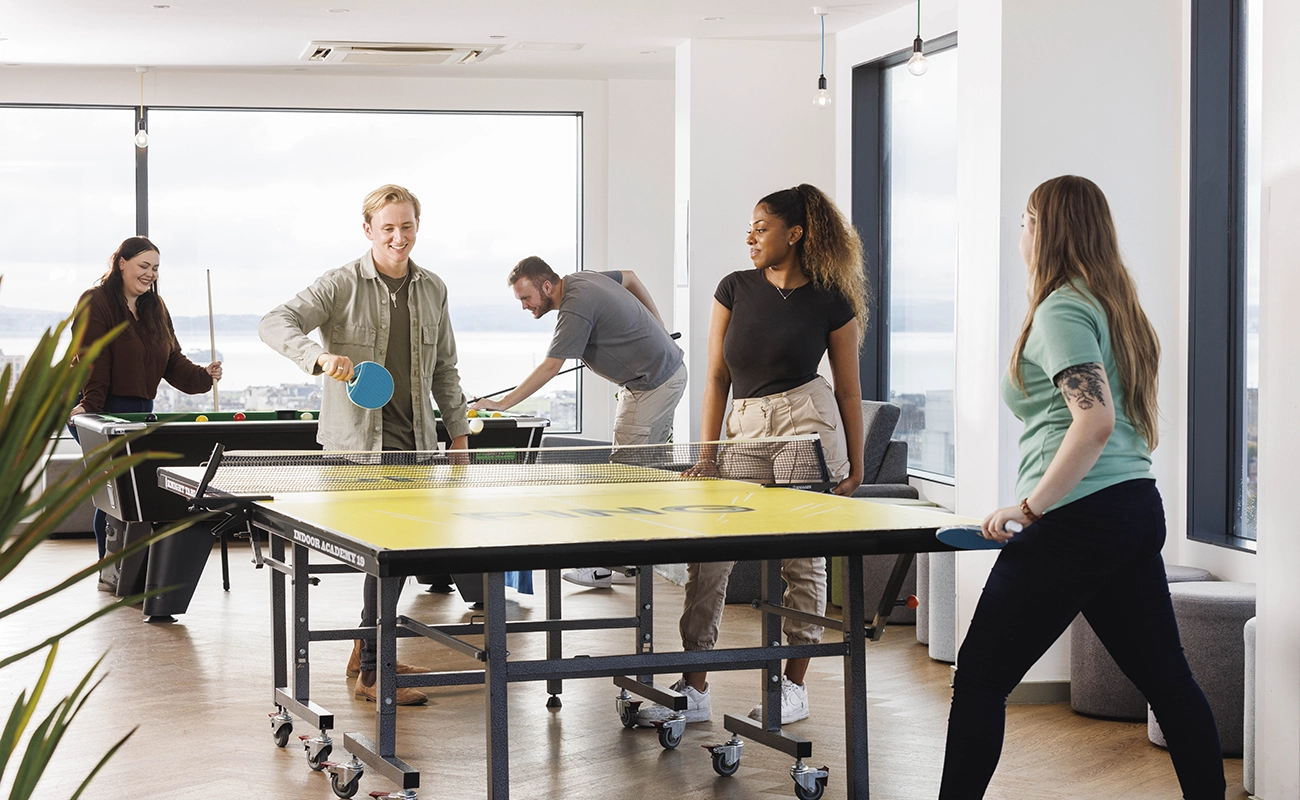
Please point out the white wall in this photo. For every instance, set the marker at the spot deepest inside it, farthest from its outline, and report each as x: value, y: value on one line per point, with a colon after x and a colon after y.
x: 1277, y: 705
x: 627, y: 144
x: 640, y: 196
x: 745, y: 110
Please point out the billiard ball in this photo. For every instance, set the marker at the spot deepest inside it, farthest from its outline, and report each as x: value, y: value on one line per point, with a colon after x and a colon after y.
x: 476, y: 426
x: 201, y: 418
x: 150, y: 417
x: 239, y: 416
x: 472, y: 413
x: 496, y: 413
x: 305, y: 415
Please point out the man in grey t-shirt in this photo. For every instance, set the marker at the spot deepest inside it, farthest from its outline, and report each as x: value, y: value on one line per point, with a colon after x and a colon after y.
x: 608, y: 320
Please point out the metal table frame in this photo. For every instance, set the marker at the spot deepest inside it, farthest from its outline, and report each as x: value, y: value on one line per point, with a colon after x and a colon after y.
x: 292, y: 636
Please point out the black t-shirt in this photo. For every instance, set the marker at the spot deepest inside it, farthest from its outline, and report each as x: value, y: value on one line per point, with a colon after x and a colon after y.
x: 775, y: 342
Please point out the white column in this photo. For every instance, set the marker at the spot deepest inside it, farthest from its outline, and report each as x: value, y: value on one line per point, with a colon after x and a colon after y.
x: 1039, y: 100
x: 1277, y: 700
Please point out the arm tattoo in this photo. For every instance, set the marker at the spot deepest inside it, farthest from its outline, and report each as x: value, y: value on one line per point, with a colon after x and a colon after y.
x: 1082, y: 384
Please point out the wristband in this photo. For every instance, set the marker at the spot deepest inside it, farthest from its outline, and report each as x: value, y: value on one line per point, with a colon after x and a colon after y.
x: 1029, y: 512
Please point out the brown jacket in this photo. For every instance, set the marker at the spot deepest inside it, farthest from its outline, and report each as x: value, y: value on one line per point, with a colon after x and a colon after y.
x: 134, y: 363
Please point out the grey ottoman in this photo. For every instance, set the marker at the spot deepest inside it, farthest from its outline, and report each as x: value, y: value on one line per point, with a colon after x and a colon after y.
x: 1097, y: 686
x: 923, y: 594
x: 941, y: 598
x: 1248, y: 745
x: 1211, y: 618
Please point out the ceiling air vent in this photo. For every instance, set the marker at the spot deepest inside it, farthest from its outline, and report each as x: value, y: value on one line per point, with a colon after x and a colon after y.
x: 396, y: 54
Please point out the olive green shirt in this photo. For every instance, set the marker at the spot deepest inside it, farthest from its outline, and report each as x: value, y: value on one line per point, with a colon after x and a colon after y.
x: 1069, y: 328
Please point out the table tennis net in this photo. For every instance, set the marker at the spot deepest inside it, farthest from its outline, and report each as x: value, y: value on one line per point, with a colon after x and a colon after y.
x: 785, y: 461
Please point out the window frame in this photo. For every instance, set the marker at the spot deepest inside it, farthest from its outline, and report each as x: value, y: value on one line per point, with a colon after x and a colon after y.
x: 1216, y: 335
x: 141, y: 187
x: 870, y: 202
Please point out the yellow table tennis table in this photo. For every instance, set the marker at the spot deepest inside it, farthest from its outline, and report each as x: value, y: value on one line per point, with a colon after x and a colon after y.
x: 393, y: 521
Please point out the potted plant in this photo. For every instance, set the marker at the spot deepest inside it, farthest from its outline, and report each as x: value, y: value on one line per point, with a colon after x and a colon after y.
x: 36, y: 405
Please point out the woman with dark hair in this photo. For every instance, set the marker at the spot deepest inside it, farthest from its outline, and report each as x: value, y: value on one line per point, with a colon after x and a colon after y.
x: 769, y: 329
x: 125, y: 377
x: 1083, y: 379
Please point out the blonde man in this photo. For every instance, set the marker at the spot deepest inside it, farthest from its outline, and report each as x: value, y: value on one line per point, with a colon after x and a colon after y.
x: 380, y: 307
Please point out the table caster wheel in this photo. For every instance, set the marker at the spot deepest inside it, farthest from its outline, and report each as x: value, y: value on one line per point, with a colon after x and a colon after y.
x: 282, y: 734
x: 627, y: 712
x: 723, y: 767
x: 348, y: 789
x: 670, y: 736
x: 317, y: 762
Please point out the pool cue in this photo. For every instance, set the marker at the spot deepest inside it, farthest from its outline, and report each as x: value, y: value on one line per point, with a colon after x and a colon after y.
x: 212, y: 343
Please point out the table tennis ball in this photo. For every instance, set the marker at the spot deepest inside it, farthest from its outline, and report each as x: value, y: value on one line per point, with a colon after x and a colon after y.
x: 476, y: 426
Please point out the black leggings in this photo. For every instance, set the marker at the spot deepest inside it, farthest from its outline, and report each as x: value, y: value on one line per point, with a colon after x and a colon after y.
x: 1099, y: 556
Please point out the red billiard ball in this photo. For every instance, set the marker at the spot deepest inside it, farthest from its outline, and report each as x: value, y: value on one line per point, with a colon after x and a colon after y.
x: 239, y: 416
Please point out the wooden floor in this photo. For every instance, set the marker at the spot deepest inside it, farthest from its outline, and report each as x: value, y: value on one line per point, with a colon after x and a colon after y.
x: 200, y: 692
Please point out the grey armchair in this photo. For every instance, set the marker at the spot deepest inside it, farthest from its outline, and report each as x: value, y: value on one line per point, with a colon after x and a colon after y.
x: 884, y: 458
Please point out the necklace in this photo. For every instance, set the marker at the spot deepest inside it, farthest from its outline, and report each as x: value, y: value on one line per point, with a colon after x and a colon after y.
x: 785, y: 294
x: 394, y: 292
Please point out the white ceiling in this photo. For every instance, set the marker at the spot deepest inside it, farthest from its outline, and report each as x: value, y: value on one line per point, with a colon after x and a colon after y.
x: 619, y: 38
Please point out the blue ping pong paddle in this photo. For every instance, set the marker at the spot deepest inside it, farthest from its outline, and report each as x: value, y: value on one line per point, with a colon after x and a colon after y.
x: 968, y: 537
x: 370, y: 385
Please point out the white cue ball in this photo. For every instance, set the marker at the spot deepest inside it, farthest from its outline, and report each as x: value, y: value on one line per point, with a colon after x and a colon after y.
x: 476, y: 426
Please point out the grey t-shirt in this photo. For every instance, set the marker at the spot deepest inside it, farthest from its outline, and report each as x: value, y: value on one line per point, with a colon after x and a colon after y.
x: 612, y: 332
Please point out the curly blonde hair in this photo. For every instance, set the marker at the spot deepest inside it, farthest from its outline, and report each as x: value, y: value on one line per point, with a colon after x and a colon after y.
x: 829, y: 250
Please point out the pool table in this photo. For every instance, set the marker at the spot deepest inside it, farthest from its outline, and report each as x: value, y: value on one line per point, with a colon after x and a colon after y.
x: 134, y: 503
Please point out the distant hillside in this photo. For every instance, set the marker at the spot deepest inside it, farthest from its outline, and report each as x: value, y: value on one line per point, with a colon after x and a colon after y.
x: 27, y: 322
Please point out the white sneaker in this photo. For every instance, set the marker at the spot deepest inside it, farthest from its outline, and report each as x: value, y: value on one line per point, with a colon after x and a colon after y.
x: 794, y: 703
x: 698, y: 707
x: 597, y: 577
x: 591, y: 577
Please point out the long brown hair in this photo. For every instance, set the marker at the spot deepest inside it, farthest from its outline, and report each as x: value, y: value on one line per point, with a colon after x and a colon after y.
x: 1075, y: 239
x: 149, y: 307
x: 829, y: 250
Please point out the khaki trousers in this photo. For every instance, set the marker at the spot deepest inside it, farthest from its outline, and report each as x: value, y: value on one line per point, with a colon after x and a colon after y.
x: 646, y: 417
x: 806, y: 409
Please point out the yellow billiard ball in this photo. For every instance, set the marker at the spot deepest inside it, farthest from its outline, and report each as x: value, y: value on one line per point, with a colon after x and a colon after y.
x: 201, y: 418
x: 472, y: 413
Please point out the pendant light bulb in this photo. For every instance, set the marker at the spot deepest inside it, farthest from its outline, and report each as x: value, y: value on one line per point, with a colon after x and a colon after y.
x: 917, y: 64
x: 822, y: 98
x: 141, y: 135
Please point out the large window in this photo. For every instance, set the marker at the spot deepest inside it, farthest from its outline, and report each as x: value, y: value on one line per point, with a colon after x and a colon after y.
x: 1223, y: 295
x: 67, y: 188
x: 266, y: 201
x: 921, y: 256
x: 905, y: 175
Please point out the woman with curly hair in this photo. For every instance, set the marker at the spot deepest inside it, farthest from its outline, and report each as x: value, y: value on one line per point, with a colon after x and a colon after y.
x: 770, y: 327
x: 126, y: 374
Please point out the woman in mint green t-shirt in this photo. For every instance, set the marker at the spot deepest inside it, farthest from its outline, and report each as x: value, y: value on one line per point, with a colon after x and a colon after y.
x: 1083, y: 379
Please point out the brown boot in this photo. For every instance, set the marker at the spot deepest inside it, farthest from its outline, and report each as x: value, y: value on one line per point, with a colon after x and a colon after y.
x: 354, y: 664
x: 405, y: 697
